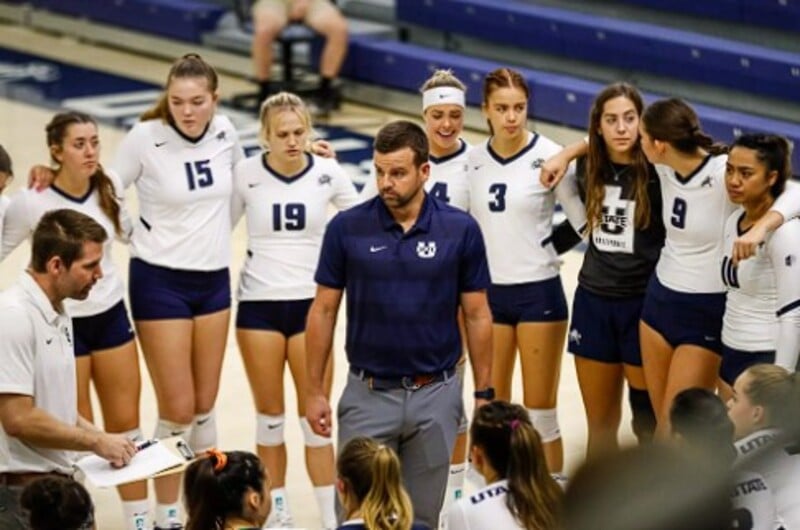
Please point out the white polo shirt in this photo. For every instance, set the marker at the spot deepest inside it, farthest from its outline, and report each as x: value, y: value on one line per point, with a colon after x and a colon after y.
x: 36, y: 359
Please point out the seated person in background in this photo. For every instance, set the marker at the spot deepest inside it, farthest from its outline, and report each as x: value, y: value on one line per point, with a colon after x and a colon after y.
x: 269, y: 19
x: 226, y: 490
x: 700, y: 424
x: 765, y: 410
x: 521, y: 494
x: 58, y: 503
x: 370, y: 488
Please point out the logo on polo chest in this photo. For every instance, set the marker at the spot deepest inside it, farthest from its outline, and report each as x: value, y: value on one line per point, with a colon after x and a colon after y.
x: 426, y: 250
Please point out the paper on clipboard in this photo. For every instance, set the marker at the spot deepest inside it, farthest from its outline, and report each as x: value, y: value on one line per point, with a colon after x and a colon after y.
x: 147, y: 462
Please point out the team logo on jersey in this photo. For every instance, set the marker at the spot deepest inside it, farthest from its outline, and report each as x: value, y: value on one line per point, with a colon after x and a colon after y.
x: 221, y: 135
x: 537, y: 164
x: 790, y: 260
x: 324, y: 179
x: 426, y: 250
x: 707, y: 182
x: 575, y: 336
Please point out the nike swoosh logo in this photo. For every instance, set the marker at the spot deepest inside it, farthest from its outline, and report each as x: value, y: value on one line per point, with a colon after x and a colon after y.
x: 253, y: 185
x: 159, y: 144
x: 173, y: 433
x: 476, y: 168
x: 377, y: 249
x: 48, y: 341
x: 275, y: 426
x: 203, y: 421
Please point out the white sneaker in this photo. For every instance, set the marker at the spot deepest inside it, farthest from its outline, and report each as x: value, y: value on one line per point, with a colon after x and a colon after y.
x: 280, y: 517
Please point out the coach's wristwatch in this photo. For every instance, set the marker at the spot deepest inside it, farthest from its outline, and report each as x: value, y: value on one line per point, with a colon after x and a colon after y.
x: 487, y: 393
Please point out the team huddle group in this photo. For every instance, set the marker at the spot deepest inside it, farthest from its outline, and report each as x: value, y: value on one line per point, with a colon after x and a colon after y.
x: 689, y: 292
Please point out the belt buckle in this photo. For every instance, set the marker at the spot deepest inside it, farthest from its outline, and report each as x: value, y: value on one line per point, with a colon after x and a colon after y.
x: 410, y: 383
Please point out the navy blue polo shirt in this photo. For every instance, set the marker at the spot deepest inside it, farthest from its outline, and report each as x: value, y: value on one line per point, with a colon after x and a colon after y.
x: 403, y: 289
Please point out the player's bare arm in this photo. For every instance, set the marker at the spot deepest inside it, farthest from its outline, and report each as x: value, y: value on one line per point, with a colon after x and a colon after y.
x: 478, y: 321
x: 319, y: 341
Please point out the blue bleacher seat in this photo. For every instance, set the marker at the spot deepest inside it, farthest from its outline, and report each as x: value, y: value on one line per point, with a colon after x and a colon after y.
x: 617, y: 43
x: 779, y: 14
x: 555, y: 98
x: 185, y: 20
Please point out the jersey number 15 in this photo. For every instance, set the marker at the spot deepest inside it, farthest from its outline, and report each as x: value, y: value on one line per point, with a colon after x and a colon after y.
x: 198, y: 174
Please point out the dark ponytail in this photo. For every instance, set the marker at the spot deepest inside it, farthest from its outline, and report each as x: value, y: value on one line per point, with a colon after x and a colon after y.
x: 675, y: 122
x: 215, y: 487
x: 514, y: 450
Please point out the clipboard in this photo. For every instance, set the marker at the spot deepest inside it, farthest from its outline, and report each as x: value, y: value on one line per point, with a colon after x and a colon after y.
x: 180, y: 448
x: 155, y: 459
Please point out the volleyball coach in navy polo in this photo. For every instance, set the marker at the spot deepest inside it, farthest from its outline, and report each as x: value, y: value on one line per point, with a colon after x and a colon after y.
x: 407, y: 261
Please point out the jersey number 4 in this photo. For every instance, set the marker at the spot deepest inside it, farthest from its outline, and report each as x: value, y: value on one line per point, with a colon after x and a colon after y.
x: 289, y: 216
x: 198, y: 174
x: 439, y: 191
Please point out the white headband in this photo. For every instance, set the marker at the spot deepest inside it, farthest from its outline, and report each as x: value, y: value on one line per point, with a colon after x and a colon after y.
x: 443, y: 95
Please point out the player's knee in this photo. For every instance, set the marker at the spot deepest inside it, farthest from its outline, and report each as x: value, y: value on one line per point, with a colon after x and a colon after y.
x: 311, y: 438
x: 166, y: 429
x: 545, y: 421
x: 270, y: 430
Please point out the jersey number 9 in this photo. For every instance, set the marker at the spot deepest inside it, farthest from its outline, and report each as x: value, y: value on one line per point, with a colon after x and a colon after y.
x: 678, y: 219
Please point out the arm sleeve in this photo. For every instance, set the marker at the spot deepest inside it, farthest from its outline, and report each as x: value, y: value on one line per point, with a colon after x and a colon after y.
x: 569, y: 197
x: 238, y: 150
x: 564, y: 237
x: 17, y: 224
x: 331, y: 268
x: 124, y: 216
x: 17, y: 352
x: 784, y: 252
x: 474, y: 267
x: 788, y: 203
x: 237, y: 197
x: 127, y: 162
x: 344, y: 193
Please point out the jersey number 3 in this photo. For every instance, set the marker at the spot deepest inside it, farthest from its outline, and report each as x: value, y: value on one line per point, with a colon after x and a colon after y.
x: 499, y: 202
x: 198, y: 174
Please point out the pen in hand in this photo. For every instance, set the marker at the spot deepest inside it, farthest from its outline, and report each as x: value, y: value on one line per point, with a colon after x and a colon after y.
x: 144, y: 445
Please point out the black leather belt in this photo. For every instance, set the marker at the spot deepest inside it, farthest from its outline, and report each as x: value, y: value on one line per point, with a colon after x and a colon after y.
x: 409, y: 382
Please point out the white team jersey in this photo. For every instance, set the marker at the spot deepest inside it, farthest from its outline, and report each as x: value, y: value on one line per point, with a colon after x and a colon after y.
x: 484, y: 509
x: 286, y: 220
x: 780, y: 468
x: 23, y: 214
x: 184, y: 190
x: 761, y: 287
x: 515, y: 211
x: 753, y: 503
x: 447, y: 181
x: 695, y: 210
